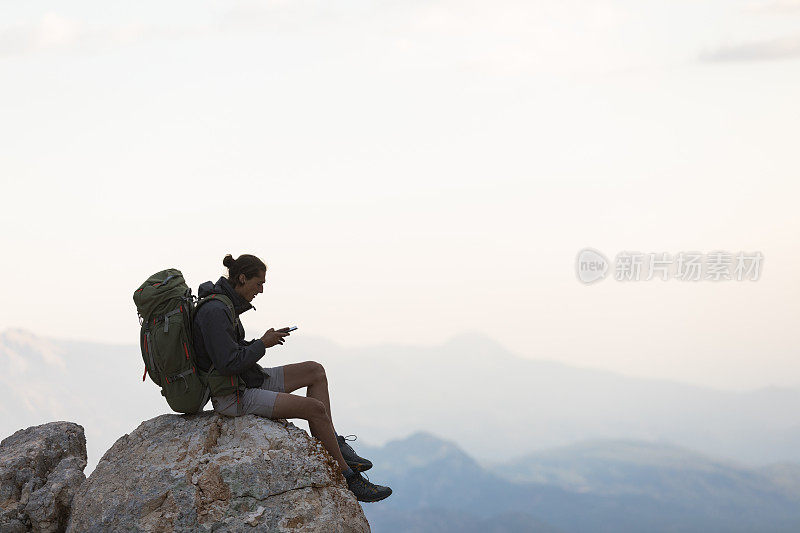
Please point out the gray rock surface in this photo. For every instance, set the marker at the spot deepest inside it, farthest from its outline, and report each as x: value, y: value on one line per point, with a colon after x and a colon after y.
x: 40, y: 469
x: 210, y: 473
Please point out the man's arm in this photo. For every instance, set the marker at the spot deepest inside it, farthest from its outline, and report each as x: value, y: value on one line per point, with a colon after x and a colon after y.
x: 229, y: 358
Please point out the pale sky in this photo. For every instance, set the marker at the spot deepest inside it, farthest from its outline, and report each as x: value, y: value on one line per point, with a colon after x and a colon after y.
x: 412, y: 170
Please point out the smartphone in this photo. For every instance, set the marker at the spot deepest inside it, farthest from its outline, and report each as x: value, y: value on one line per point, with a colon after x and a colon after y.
x: 292, y: 328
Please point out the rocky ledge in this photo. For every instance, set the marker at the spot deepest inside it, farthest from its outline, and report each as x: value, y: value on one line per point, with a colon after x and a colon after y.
x: 210, y: 473
x: 40, y: 469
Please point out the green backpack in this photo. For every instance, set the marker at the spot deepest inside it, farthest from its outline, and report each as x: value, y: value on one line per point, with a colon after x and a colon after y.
x: 166, y: 311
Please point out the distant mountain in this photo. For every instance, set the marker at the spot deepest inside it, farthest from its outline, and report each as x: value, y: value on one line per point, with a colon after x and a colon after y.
x: 498, y: 406
x: 667, y: 474
x: 470, y: 389
x: 385, y: 519
x: 783, y: 475
x: 602, y: 486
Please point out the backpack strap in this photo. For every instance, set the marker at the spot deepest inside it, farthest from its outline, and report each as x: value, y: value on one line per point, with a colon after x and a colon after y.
x: 235, y: 319
x: 224, y: 299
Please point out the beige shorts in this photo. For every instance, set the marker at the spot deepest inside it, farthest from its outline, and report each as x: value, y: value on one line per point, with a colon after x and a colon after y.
x: 258, y: 401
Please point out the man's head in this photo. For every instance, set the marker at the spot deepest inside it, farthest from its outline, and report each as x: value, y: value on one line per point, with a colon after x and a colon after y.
x: 246, y: 274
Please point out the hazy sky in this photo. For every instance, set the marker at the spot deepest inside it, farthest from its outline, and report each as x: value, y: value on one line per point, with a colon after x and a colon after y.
x: 412, y: 170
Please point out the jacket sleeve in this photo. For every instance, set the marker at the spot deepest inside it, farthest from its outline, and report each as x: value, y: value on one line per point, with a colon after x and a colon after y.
x: 228, y: 356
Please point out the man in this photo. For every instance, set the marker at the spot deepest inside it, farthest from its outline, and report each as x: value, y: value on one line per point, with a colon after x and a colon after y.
x: 240, y: 386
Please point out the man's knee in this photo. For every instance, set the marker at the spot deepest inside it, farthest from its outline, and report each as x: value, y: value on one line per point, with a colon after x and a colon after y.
x: 316, y: 372
x: 315, y: 409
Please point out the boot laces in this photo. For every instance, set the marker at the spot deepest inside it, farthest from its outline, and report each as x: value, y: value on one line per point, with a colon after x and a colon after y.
x: 346, y: 446
x: 366, y: 483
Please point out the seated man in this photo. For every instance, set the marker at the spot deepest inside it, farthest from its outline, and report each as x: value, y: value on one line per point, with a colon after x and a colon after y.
x: 240, y: 386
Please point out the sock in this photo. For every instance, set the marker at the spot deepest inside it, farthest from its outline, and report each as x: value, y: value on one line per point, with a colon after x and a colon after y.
x: 348, y: 473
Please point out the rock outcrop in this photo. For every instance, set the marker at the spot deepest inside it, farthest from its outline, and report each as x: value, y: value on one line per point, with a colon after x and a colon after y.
x: 205, y: 472
x: 40, y: 469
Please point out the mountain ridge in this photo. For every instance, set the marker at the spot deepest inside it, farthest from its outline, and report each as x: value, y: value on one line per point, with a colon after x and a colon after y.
x: 507, y: 409
x: 713, y: 496
x: 464, y: 339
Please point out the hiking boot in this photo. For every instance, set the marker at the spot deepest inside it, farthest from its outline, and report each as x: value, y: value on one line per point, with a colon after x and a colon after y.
x: 359, y: 464
x: 365, y: 490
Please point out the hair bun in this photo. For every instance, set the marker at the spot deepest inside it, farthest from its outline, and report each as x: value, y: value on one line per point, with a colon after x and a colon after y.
x: 228, y: 261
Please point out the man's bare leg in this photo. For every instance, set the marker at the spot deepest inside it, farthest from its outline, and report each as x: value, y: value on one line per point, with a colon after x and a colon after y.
x: 319, y: 421
x: 312, y: 375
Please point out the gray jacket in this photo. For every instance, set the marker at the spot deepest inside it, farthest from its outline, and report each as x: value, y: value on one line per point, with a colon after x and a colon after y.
x: 216, y: 340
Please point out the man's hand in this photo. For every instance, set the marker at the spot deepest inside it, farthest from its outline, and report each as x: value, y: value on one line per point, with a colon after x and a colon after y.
x: 273, y: 336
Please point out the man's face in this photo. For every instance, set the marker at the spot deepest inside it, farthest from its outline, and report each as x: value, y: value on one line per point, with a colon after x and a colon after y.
x: 252, y: 286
